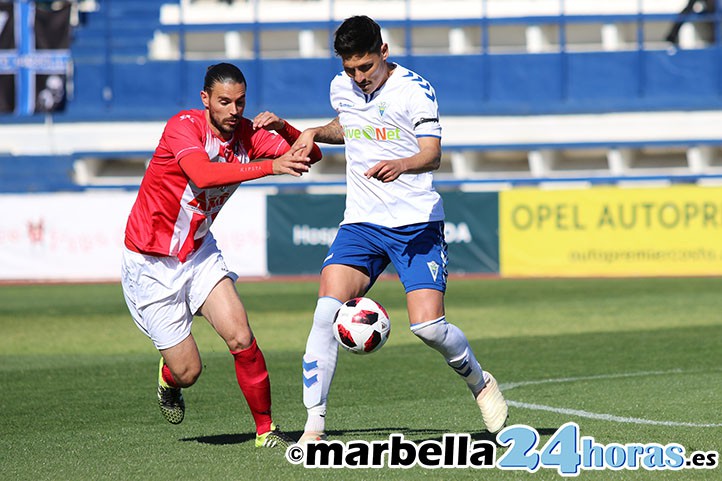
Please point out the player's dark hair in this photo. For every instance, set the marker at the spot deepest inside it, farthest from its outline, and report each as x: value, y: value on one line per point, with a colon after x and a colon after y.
x: 221, y: 73
x: 357, y: 35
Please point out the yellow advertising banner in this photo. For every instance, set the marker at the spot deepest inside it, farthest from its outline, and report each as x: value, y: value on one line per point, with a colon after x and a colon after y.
x: 611, y: 231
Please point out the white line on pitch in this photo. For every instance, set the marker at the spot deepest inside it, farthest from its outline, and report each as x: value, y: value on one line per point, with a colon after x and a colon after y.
x: 607, y: 417
x: 514, y: 385
x: 603, y: 417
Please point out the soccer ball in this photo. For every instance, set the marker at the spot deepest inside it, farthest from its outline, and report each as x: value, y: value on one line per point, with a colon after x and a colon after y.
x: 361, y: 325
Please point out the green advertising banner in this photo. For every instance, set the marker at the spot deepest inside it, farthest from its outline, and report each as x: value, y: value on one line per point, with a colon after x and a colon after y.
x: 301, y: 227
x: 472, y: 231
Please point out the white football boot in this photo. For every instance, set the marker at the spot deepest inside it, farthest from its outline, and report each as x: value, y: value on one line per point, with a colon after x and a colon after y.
x: 494, y: 409
x: 311, y: 436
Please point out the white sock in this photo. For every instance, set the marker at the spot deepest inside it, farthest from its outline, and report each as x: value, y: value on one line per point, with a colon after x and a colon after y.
x: 316, y: 420
x: 319, y: 363
x: 451, y: 342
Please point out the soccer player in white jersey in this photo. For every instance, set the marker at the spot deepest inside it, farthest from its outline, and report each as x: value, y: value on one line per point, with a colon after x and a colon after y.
x: 388, y: 120
x: 172, y: 268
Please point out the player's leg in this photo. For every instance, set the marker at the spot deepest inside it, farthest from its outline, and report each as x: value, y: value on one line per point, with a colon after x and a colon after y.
x: 339, y: 283
x: 428, y: 323
x: 354, y: 261
x: 419, y: 254
x: 453, y: 345
x: 154, y: 290
x: 181, y: 363
x: 225, y: 312
x: 180, y: 367
x: 212, y: 294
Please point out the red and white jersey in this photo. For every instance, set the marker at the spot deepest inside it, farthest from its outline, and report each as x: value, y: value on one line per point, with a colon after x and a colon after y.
x: 171, y: 215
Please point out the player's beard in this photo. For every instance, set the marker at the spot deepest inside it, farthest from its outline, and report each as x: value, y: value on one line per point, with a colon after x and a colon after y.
x: 223, y: 126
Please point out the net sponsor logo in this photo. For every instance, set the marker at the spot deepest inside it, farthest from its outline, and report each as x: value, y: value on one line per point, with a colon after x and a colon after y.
x: 371, y: 132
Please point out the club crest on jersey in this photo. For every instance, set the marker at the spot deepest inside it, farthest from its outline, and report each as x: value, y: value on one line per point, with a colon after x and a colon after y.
x: 433, y: 268
x: 382, y: 108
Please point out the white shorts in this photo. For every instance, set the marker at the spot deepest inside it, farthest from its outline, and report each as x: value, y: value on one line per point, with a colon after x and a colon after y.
x: 163, y: 294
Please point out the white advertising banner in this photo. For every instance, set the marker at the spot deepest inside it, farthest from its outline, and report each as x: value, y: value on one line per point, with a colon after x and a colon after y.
x: 79, y: 236
x: 240, y: 230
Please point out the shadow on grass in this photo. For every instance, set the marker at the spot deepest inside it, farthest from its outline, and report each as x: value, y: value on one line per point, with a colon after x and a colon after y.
x: 487, y: 436
x: 433, y: 435
x: 223, y: 439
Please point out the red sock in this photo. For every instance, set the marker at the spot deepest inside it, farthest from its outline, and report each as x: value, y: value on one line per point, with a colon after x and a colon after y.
x: 168, y: 376
x: 253, y: 380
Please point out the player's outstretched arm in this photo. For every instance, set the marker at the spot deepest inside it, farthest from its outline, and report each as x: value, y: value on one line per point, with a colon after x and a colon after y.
x: 206, y: 174
x: 270, y: 121
x: 427, y: 160
x: 331, y: 133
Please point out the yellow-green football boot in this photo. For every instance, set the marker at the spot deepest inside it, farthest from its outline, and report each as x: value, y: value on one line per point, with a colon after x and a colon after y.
x: 170, y: 399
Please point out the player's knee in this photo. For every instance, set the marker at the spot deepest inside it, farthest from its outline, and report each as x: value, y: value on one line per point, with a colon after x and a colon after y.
x: 240, y: 340
x: 188, y: 375
x: 326, y: 308
x: 433, y: 332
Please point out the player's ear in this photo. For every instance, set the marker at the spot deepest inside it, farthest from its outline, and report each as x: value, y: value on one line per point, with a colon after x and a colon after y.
x: 205, y: 98
x: 384, y: 51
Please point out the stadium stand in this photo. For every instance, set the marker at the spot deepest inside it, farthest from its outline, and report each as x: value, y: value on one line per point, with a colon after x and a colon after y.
x: 128, y: 26
x: 531, y: 91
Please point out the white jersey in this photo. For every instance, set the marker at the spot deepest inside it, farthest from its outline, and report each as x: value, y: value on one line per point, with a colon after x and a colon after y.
x: 385, y: 125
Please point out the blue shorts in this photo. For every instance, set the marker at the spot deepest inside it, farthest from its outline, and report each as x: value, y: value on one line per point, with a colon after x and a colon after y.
x: 418, y: 252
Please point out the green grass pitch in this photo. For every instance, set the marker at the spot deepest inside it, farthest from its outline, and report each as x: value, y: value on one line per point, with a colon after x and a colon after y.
x: 77, y: 379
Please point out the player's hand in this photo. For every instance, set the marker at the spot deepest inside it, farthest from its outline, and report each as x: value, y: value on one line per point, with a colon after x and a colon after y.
x: 269, y: 121
x: 294, y: 162
x: 386, y: 170
x: 305, y: 141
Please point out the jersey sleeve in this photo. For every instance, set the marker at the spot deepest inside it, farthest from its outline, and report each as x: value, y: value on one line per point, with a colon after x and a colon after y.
x: 206, y: 174
x: 183, y: 136
x: 267, y: 145
x: 423, y: 109
x: 334, y: 92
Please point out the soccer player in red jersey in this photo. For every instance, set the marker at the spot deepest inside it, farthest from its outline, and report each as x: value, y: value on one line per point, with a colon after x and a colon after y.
x: 172, y: 268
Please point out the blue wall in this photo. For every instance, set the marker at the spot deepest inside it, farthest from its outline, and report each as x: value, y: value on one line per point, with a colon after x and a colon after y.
x: 466, y: 85
x: 28, y: 174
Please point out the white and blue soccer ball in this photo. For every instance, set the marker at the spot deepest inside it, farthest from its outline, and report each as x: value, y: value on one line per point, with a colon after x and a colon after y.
x: 361, y: 325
